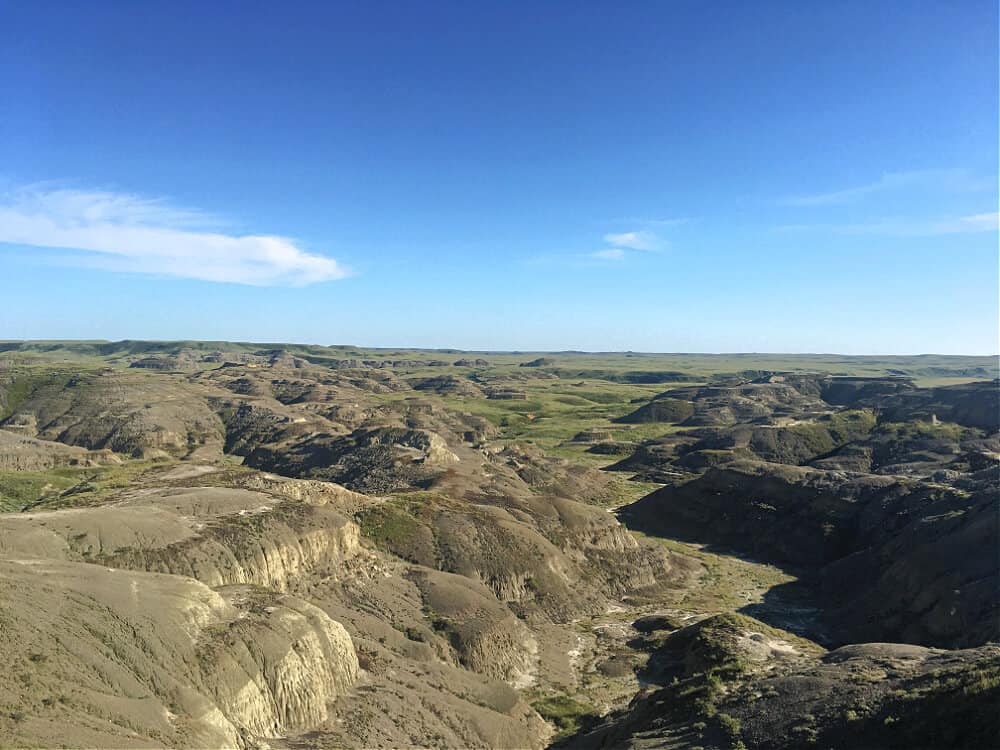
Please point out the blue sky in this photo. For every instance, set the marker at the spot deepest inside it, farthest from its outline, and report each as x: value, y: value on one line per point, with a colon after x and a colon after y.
x: 661, y: 176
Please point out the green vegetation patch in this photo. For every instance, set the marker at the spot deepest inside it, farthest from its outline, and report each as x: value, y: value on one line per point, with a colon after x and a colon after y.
x: 946, y: 431
x: 387, y: 525
x: 20, y: 385
x: 726, y: 581
x: 67, y: 487
x: 403, y: 526
x: 833, y: 430
x: 567, y: 714
x: 661, y: 410
x: 22, y: 489
x: 714, y: 643
x: 954, y: 707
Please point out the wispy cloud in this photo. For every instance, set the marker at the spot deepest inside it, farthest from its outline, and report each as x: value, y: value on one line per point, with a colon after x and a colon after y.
x: 132, y: 233
x: 641, y: 240
x: 893, y: 227
x: 620, y: 247
x: 950, y: 180
x: 988, y: 222
x: 641, y: 221
x: 611, y: 253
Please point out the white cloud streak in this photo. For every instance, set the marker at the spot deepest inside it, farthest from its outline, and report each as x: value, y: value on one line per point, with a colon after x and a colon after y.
x: 135, y: 234
x: 642, y: 221
x: 950, y: 180
x: 642, y: 240
x: 611, y: 253
x: 975, y: 223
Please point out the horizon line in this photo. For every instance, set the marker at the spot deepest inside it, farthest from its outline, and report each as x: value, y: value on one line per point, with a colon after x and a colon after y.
x: 448, y: 349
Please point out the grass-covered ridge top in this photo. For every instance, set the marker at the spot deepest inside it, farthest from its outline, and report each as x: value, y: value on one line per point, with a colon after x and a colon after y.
x: 625, y: 367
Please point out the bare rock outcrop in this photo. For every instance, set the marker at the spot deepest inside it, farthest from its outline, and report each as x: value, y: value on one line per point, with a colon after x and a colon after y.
x: 20, y: 452
x: 214, y: 535
x: 111, y: 658
x: 485, y: 634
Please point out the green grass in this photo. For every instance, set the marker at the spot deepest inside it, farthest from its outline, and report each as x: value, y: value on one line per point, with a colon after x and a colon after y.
x: 68, y: 487
x: 19, y: 384
x: 956, y: 707
x: 716, y: 641
x: 937, y: 382
x: 21, y: 489
x: 388, y: 526
x: 555, y: 411
x: 625, y: 492
x: 826, y: 433
x: 726, y: 579
x: 913, y: 430
x: 567, y: 714
x: 931, y: 368
x: 661, y: 410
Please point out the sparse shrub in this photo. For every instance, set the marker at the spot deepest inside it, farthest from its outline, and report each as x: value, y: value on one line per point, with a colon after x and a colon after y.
x: 730, y: 724
x: 807, y: 733
x: 365, y: 658
x: 567, y: 714
x: 414, y: 634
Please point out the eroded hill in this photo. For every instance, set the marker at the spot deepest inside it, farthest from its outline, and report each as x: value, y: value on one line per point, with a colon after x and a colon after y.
x: 237, y: 545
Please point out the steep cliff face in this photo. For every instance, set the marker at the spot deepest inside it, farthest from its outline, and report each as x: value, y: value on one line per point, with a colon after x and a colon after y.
x: 933, y: 580
x: 547, y: 558
x: 281, y: 548
x: 255, y: 663
x: 277, y: 668
x: 23, y: 453
x: 601, y: 547
x: 217, y: 536
x: 498, y: 547
x: 970, y: 404
x: 485, y: 634
x: 124, y: 658
x: 780, y: 513
x: 896, y: 559
x: 442, y: 658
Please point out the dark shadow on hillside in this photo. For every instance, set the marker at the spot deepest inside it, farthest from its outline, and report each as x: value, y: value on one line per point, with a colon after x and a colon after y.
x: 795, y: 606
